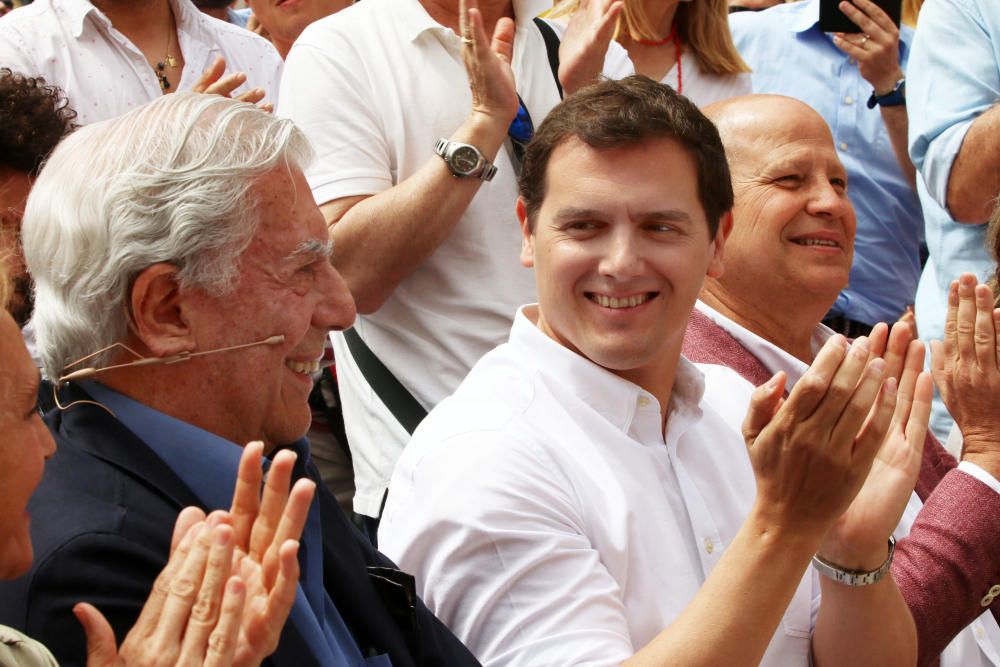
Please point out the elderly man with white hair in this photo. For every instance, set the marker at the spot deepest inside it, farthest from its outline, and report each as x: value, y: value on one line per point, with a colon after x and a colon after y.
x: 184, y: 292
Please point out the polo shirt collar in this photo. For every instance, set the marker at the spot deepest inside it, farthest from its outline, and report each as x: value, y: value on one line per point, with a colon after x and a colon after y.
x: 611, y: 396
x: 415, y: 19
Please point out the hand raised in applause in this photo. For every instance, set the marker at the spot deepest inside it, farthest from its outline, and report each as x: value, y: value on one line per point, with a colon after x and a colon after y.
x: 215, y: 81
x: 488, y: 64
x: 858, y: 537
x: 966, y: 368
x: 216, y: 602
x: 585, y: 44
x: 812, y: 452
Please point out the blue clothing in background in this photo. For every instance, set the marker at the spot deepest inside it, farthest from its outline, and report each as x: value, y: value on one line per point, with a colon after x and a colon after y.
x: 208, y: 465
x: 955, y: 77
x: 239, y: 16
x: 790, y: 56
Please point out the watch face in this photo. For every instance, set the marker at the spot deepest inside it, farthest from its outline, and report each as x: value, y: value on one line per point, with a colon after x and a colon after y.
x: 465, y: 159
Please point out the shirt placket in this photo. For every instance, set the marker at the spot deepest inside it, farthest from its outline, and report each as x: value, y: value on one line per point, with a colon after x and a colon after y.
x: 709, y: 541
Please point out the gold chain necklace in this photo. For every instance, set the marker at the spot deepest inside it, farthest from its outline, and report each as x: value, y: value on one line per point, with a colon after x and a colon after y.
x: 168, y: 60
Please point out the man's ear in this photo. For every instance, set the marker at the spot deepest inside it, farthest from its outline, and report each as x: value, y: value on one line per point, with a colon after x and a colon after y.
x: 527, y: 237
x: 715, y: 267
x: 158, y: 314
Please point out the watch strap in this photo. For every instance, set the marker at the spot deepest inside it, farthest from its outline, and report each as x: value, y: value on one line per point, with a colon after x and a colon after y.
x: 855, y: 577
x: 894, y: 98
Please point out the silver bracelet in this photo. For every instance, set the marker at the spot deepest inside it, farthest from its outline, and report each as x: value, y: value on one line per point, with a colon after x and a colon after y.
x: 854, y: 577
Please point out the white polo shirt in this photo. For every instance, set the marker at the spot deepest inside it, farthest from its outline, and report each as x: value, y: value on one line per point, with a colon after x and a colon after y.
x: 548, y: 521
x: 73, y: 45
x: 977, y: 645
x: 374, y: 87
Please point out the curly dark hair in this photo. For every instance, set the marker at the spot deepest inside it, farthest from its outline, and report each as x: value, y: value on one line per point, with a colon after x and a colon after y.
x: 34, y: 117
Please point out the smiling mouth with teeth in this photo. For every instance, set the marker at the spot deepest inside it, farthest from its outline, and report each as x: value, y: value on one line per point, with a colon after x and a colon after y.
x: 624, y: 302
x: 303, y: 367
x: 819, y: 242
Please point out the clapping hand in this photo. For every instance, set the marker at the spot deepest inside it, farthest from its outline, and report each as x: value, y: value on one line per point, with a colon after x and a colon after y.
x: 229, y: 584
x: 812, y: 452
x: 488, y: 63
x: 586, y: 41
x: 966, y: 368
x: 875, y: 512
x: 215, y: 81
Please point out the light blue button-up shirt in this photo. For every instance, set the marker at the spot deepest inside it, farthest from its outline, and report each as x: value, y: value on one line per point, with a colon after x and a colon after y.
x: 208, y: 465
x: 790, y: 56
x: 955, y: 77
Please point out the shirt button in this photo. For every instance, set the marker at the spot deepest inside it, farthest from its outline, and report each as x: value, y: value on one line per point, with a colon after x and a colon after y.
x: 848, y: 100
x: 843, y: 146
x: 979, y: 633
x: 709, y: 546
x: 643, y: 402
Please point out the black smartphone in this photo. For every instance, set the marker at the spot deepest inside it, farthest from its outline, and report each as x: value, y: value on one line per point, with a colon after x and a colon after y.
x: 831, y: 19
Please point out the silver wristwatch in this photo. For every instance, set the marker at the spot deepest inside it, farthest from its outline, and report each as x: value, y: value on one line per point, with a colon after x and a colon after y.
x: 464, y: 160
x: 855, y: 577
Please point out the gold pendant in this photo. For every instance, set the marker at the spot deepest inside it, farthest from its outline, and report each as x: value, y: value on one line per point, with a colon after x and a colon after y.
x: 171, y: 61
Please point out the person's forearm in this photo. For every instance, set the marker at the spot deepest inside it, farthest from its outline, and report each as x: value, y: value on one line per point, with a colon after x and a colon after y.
x: 975, y: 174
x: 896, y: 122
x: 734, y: 615
x: 384, y: 238
x: 864, y: 625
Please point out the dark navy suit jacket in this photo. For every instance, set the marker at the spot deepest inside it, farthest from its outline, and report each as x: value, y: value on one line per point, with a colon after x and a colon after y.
x: 101, y: 525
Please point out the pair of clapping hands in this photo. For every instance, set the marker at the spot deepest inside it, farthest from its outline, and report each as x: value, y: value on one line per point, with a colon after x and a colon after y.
x: 838, y: 459
x: 229, y: 584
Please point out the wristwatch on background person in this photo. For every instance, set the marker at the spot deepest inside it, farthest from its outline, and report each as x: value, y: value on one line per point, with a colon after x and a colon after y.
x: 464, y: 160
x: 894, y: 98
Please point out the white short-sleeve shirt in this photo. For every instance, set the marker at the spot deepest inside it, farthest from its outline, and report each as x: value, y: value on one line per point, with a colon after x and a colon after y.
x: 73, y: 45
x: 374, y: 87
x: 549, y: 521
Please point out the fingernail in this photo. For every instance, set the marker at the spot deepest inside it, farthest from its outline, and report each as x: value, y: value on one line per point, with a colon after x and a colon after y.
x: 878, y: 365
x: 222, y: 537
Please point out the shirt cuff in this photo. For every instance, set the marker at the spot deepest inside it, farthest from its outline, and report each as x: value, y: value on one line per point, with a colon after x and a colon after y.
x: 980, y: 474
x: 941, y: 153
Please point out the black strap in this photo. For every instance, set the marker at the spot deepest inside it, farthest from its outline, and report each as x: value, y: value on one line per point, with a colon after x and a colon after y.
x: 552, y: 47
x: 407, y: 411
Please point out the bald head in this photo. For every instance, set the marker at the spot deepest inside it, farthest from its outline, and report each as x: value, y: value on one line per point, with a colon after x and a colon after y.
x: 793, y: 226
x: 752, y: 122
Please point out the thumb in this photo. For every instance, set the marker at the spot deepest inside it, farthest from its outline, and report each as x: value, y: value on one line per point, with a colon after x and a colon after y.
x: 102, y: 651
x: 764, y: 403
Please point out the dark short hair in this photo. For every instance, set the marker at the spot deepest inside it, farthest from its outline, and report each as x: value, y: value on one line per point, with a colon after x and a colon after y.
x: 34, y: 117
x: 617, y: 114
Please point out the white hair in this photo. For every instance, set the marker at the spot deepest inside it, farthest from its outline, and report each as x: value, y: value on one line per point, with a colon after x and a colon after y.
x: 167, y: 182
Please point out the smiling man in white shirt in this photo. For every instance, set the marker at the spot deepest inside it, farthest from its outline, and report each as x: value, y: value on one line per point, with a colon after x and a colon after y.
x: 578, y: 501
